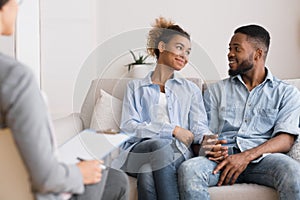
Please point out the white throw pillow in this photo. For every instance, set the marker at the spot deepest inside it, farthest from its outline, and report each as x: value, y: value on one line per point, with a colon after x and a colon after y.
x: 107, y: 113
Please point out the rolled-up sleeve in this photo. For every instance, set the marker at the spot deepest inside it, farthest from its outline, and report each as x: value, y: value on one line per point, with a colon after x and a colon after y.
x: 289, y: 113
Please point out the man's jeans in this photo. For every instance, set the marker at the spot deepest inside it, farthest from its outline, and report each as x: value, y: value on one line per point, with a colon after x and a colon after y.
x: 275, y: 170
x: 155, y: 162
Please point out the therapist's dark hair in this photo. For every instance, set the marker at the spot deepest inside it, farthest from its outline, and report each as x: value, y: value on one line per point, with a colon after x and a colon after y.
x: 2, y: 3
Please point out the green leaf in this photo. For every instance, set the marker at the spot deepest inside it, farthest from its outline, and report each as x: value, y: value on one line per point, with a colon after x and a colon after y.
x: 144, y: 59
x: 140, y: 59
x: 134, y: 57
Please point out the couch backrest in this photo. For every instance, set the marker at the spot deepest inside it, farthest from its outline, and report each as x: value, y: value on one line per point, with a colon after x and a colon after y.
x: 115, y: 87
x: 294, y: 82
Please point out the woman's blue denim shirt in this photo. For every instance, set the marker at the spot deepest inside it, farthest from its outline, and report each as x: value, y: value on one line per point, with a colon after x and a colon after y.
x: 185, y: 108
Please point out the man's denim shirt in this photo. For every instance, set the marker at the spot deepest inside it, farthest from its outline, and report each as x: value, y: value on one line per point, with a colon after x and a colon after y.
x: 247, y: 119
x: 185, y: 108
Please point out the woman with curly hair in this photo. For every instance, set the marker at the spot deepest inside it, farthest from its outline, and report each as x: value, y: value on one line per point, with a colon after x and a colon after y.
x: 164, y: 114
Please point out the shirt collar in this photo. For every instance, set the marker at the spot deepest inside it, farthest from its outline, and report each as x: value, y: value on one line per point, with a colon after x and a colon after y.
x: 269, y: 78
x: 269, y: 75
x: 147, y: 80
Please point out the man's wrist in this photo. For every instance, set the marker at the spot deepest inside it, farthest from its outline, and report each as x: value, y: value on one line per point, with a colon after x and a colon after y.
x: 250, y: 155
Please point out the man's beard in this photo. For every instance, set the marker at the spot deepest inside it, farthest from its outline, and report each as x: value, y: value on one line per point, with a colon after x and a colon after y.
x: 243, y: 68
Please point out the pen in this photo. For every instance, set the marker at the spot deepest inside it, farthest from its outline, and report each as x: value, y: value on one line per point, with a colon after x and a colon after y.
x: 103, y: 167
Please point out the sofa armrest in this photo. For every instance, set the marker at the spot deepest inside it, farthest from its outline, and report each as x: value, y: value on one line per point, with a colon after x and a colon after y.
x: 67, y: 127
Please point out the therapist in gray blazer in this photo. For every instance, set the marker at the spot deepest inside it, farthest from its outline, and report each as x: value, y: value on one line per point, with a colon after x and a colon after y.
x: 23, y: 110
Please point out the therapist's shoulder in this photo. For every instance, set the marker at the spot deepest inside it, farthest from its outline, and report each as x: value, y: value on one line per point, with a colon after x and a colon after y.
x: 11, y: 69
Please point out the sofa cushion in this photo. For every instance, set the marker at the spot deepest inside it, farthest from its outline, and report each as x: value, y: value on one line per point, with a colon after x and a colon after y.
x: 115, y: 87
x: 295, y: 151
x: 67, y: 127
x: 233, y: 192
x: 294, y: 82
x: 243, y: 191
x: 107, y: 112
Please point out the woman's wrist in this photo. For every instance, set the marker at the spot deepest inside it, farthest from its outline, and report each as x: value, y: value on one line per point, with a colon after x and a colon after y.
x: 175, y: 131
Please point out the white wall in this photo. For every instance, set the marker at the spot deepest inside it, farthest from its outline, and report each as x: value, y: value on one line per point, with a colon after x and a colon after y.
x: 28, y: 36
x: 71, y: 31
x: 68, y: 34
x: 211, y: 24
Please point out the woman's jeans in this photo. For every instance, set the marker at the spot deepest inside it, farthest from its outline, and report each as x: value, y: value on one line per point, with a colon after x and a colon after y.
x: 154, y: 162
x: 278, y: 171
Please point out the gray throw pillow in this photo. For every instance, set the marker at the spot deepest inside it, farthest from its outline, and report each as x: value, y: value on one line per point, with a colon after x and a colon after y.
x: 295, y: 151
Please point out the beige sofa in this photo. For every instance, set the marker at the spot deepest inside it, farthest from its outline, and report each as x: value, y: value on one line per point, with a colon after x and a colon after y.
x: 76, y: 122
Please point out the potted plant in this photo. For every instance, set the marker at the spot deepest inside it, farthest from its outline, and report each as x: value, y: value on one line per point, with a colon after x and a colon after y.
x: 138, y: 60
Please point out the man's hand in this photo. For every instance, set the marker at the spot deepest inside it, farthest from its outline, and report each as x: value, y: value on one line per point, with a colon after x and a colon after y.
x: 217, y: 152
x: 91, y: 171
x: 235, y: 164
x: 232, y: 167
x: 213, y: 149
x: 183, y: 135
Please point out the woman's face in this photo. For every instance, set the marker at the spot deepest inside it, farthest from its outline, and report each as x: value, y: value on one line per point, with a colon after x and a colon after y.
x: 8, y: 15
x: 175, y: 53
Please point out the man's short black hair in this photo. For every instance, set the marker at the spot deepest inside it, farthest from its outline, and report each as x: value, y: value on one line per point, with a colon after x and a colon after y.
x: 257, y: 33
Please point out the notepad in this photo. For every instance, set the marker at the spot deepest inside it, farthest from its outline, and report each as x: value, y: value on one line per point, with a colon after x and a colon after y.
x: 89, y: 145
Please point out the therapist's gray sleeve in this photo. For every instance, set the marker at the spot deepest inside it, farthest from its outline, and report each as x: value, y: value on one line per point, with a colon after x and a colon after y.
x: 24, y: 112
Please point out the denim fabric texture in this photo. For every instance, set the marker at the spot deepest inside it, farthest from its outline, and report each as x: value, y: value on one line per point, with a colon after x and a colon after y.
x: 154, y: 162
x: 278, y: 171
x: 246, y: 119
x: 185, y: 108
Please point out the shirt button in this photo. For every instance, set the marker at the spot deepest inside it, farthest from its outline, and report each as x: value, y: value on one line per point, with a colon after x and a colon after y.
x: 246, y: 121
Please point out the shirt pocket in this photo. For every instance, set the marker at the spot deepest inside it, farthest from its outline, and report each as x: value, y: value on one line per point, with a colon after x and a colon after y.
x: 231, y: 117
x: 265, y: 119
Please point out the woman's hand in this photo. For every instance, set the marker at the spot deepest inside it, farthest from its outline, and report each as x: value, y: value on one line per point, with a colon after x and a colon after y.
x: 213, y: 149
x: 91, y: 171
x: 183, y: 135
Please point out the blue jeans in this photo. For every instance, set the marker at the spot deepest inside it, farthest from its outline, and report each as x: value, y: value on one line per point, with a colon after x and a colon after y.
x: 154, y: 162
x: 276, y: 170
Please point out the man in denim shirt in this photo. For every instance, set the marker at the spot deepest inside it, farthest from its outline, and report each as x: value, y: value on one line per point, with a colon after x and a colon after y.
x: 257, y: 115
